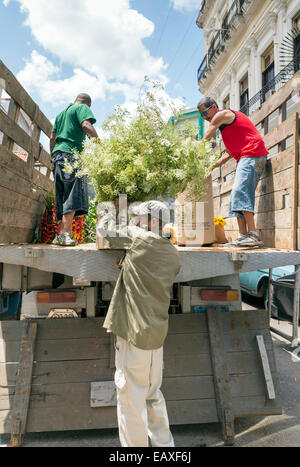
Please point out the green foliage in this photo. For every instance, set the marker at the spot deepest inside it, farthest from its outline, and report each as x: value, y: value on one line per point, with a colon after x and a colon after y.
x: 49, y: 199
x: 145, y: 156
x: 90, y: 221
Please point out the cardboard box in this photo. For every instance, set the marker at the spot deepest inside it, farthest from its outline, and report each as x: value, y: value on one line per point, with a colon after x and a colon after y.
x: 195, y: 219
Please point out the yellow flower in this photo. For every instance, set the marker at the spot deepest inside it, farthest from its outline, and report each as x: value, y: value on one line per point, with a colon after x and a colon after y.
x: 170, y: 229
x: 219, y: 221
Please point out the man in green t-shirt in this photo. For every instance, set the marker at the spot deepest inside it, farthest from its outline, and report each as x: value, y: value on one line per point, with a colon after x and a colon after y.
x: 70, y: 129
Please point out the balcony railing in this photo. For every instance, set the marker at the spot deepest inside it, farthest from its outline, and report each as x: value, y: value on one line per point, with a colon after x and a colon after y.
x: 221, y: 37
x: 272, y: 86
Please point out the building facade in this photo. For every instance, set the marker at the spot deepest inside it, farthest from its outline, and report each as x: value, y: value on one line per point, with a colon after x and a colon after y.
x: 252, y: 64
x: 252, y: 47
x: 191, y: 116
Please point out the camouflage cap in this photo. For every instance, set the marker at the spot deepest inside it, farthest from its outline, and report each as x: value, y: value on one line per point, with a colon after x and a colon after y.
x: 155, y: 208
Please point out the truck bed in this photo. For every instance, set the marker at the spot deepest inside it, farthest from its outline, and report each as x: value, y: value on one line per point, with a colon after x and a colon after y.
x: 86, y: 262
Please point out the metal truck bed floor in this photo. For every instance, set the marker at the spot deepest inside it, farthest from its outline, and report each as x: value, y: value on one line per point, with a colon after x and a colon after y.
x: 86, y: 262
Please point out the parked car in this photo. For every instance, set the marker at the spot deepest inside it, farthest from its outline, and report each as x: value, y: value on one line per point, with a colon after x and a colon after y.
x: 255, y: 284
x: 10, y: 304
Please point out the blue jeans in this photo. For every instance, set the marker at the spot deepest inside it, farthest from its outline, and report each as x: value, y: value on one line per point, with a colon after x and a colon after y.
x: 248, y: 173
x: 70, y: 191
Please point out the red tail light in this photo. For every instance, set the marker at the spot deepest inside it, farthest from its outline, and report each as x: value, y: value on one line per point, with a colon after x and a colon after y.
x: 211, y: 295
x: 56, y: 297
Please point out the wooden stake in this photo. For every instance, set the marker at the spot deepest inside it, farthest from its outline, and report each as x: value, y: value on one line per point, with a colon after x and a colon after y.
x: 23, y: 384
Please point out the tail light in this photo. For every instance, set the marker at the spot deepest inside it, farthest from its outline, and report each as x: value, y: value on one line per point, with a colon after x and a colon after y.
x: 56, y: 297
x: 217, y: 295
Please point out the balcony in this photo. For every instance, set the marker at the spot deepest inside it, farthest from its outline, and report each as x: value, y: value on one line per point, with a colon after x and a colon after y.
x: 218, y: 45
x: 272, y: 86
x: 205, y: 5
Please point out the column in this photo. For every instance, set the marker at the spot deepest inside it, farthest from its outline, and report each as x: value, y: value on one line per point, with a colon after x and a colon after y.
x: 234, y: 90
x: 273, y: 26
x: 247, y: 52
x: 253, y: 82
x: 281, y: 8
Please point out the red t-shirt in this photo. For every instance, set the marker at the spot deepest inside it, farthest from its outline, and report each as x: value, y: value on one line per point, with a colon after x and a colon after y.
x: 242, y: 139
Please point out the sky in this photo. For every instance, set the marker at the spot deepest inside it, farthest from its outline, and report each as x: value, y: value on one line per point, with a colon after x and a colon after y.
x: 59, y: 48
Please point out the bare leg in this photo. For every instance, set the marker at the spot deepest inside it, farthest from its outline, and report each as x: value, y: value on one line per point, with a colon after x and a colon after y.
x: 242, y: 225
x: 249, y: 219
x: 66, y: 223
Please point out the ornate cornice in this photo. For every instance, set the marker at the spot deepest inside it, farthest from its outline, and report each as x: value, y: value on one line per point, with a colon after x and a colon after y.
x: 206, y: 6
x: 280, y: 5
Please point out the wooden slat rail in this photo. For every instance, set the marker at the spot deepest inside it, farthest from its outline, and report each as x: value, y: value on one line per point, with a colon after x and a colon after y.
x: 211, y: 371
x: 9, y: 127
x: 19, y: 173
x: 23, y: 99
x: 295, y: 200
x: 277, y: 205
x: 265, y: 367
x: 221, y: 375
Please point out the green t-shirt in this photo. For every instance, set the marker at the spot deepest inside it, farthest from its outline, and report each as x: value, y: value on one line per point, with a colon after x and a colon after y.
x: 67, y: 126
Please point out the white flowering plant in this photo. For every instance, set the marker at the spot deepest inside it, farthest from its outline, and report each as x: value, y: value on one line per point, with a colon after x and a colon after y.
x: 146, y: 156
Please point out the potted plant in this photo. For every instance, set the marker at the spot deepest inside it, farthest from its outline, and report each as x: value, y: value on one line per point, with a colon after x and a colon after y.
x: 220, y: 236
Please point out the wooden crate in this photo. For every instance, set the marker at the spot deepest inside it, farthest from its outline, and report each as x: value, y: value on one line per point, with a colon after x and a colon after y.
x: 211, y: 363
x: 196, y: 232
x: 25, y: 166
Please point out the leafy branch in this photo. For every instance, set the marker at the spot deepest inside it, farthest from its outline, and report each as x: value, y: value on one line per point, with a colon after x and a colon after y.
x: 145, y: 156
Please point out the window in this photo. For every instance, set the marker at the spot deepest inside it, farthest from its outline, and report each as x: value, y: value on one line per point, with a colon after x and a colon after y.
x: 268, y: 72
x: 5, y: 101
x: 226, y: 102
x: 244, y: 94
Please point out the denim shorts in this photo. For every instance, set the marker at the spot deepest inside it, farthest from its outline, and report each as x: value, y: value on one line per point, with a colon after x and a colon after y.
x: 71, y: 193
x: 248, y: 173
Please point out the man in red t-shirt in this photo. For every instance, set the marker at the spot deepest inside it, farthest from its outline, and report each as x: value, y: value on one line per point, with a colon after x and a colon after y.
x: 244, y: 143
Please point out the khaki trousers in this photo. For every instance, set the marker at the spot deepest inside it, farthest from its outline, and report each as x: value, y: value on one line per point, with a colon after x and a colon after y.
x: 141, y: 407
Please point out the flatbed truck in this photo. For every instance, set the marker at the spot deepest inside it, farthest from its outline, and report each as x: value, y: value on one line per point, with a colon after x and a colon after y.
x: 57, y: 374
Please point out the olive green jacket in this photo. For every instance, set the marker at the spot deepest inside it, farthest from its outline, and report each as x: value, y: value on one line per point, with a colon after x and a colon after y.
x: 138, y: 311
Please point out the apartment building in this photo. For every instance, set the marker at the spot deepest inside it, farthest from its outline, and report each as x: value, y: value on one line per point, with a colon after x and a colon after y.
x: 252, y: 48
x: 252, y: 64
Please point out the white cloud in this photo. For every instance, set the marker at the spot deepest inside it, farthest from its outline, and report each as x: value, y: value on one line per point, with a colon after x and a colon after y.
x: 39, y: 76
x: 188, y: 5
x: 102, y: 40
x: 98, y: 35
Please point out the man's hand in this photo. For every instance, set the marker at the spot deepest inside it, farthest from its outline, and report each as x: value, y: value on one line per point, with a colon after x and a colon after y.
x: 218, y: 163
x: 222, y: 160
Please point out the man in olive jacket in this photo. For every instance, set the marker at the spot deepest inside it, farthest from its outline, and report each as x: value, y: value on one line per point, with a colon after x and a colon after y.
x: 138, y: 316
